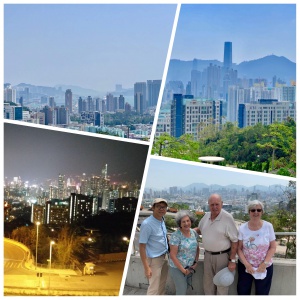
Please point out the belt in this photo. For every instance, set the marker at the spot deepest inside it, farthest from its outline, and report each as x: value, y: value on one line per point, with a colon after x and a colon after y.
x: 219, y: 252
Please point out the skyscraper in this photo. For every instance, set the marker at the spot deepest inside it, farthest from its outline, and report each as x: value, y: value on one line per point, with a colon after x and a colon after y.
x: 227, y: 56
x: 68, y: 100
x: 153, y: 88
x: 140, y: 90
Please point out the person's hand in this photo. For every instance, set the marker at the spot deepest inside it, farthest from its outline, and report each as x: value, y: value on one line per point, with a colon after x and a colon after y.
x: 231, y: 266
x: 249, y: 268
x: 261, y: 268
x: 148, y: 273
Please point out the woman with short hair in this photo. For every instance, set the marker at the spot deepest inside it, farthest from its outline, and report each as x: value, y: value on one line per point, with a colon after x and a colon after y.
x: 256, y: 247
x: 184, y: 252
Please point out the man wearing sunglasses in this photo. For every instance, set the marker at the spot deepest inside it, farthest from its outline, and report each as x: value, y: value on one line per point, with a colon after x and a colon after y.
x: 220, y: 240
x: 154, y: 247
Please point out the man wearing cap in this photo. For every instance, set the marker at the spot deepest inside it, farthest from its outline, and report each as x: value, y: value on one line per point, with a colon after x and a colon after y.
x: 220, y: 240
x: 154, y: 247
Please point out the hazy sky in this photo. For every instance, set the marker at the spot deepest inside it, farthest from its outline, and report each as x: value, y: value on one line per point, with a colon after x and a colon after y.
x: 42, y: 153
x: 90, y: 45
x: 255, y: 30
x: 164, y: 174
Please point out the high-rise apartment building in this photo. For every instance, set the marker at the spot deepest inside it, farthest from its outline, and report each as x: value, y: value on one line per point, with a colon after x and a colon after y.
x: 140, y: 94
x: 153, y: 88
x: 68, y: 100
x: 265, y: 111
x: 177, y: 116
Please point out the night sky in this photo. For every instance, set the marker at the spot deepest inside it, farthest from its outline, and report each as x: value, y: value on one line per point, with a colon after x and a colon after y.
x: 36, y: 153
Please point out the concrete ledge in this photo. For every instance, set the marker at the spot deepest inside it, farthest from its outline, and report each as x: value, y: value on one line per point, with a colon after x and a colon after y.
x: 284, y: 278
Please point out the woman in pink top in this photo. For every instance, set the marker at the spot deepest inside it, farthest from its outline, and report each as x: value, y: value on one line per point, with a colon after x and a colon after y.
x: 256, y: 248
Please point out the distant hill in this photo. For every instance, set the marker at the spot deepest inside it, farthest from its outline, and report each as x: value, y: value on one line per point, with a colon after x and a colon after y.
x: 216, y: 187
x: 265, y: 67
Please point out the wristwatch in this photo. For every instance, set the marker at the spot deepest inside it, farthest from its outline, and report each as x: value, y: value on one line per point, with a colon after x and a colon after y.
x: 231, y: 260
x: 266, y: 263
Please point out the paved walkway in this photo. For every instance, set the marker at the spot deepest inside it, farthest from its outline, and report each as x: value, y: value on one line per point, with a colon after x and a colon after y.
x: 128, y: 290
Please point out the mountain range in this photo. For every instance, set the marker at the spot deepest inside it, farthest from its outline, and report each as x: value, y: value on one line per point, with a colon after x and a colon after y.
x: 264, y: 68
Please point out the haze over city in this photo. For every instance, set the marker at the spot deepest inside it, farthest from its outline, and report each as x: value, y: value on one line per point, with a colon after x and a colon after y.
x: 163, y: 174
x: 34, y: 153
x: 94, y: 46
x: 255, y: 30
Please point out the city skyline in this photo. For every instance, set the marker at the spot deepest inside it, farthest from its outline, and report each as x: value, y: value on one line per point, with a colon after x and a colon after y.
x: 255, y: 30
x: 34, y: 153
x: 94, y: 47
x: 163, y: 174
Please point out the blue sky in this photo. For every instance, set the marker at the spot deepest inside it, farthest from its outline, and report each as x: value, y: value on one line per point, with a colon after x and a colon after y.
x: 255, y: 30
x: 164, y: 174
x: 93, y: 46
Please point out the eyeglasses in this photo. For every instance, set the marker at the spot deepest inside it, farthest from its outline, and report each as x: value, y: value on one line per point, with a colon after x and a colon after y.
x: 161, y: 207
x: 257, y: 209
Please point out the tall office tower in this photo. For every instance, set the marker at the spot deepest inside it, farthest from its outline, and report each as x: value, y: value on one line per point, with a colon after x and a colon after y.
x: 80, y: 207
x: 61, y: 186
x: 21, y: 101
x: 188, y: 89
x: 68, y: 100
x: 90, y: 104
x: 227, y: 63
x: 110, y: 102
x: 177, y: 116
x: 116, y: 103
x: 98, y: 104
x: 80, y: 105
x: 103, y: 106
x: 153, y: 88
x: 62, y: 117
x: 10, y: 94
x: 52, y: 102
x: 48, y: 111
x: 197, y: 84
x: 265, y: 111
x: 233, y: 103
x: 213, y: 83
x: 95, y: 185
x: 140, y: 94
x: 121, y: 102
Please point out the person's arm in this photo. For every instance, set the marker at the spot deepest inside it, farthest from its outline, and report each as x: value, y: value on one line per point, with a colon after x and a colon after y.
x: 196, y: 258
x: 243, y: 259
x: 147, y: 269
x: 173, y: 256
x: 262, y: 267
x: 197, y: 229
x: 233, y: 251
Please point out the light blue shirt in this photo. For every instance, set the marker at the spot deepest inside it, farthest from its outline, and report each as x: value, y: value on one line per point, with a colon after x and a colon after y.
x: 154, y: 234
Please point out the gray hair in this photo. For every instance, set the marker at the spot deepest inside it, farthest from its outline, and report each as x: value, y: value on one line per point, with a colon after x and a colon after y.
x: 253, y: 203
x: 183, y: 213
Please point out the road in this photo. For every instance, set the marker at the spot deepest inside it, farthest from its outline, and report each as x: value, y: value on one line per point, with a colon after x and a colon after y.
x: 19, y: 279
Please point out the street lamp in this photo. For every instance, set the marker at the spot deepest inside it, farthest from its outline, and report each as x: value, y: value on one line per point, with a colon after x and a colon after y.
x: 36, y: 245
x: 51, y: 243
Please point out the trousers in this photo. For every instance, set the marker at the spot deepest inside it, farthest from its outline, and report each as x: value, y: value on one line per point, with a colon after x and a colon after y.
x: 245, y: 280
x: 157, y: 282
x: 212, y: 265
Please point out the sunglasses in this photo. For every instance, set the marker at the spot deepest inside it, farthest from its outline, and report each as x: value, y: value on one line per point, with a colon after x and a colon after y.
x: 161, y: 207
x: 254, y: 210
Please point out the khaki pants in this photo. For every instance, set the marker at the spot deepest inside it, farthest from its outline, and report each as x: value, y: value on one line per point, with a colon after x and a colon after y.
x: 212, y: 265
x: 157, y: 282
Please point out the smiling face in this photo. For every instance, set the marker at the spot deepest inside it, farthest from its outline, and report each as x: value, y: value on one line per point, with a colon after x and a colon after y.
x: 159, y: 210
x: 185, y: 223
x: 215, y: 205
x: 255, y: 212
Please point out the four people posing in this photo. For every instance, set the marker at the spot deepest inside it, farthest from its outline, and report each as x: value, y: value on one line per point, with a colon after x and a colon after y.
x: 254, y: 243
